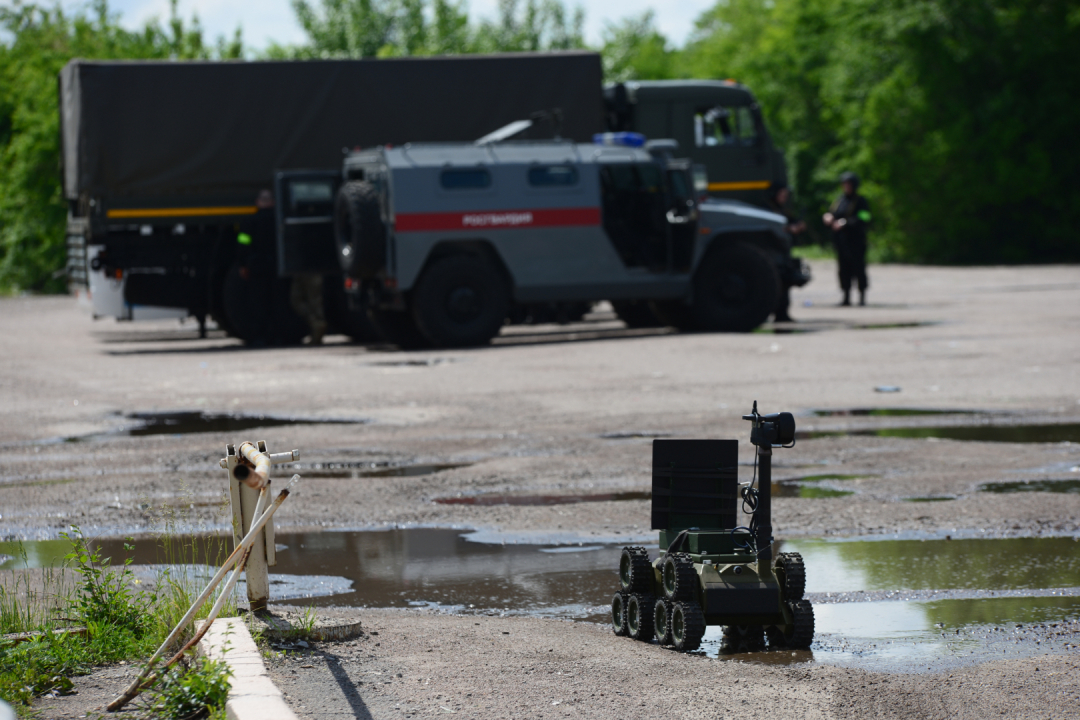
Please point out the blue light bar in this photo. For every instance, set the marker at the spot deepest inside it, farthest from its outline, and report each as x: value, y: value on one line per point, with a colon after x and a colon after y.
x: 620, y: 139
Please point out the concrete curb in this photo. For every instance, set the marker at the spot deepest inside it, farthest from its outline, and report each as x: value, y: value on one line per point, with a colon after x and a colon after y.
x: 252, y: 695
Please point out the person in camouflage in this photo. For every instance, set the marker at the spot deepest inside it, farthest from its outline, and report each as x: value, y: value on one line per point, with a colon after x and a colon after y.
x: 849, y: 219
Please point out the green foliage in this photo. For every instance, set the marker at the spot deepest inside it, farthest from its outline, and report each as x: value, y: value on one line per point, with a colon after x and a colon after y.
x: 42, y: 40
x: 191, y: 692
x: 105, y: 595
x: 960, y: 115
x: 635, y: 50
x: 400, y: 28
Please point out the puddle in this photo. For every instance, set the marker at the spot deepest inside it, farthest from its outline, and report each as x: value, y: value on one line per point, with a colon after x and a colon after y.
x: 883, y: 601
x: 888, y: 412
x: 1056, y: 433
x: 894, y: 325
x: 795, y: 490
x: 634, y: 434
x: 413, y: 362
x: 1070, y: 486
x: 492, y: 499
x: 932, y: 498
x: 355, y: 471
x: 189, y: 422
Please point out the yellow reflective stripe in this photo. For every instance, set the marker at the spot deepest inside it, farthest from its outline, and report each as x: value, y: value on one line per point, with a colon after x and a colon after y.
x: 746, y: 185
x: 180, y: 212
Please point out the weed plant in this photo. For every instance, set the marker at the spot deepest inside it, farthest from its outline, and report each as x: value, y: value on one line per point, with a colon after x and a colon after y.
x: 123, y: 622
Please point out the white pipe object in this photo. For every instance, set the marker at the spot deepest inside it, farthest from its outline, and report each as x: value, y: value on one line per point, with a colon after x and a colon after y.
x: 260, y: 460
x: 236, y: 554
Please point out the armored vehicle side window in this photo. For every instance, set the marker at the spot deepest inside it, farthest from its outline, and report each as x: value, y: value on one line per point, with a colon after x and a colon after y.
x: 553, y: 176
x: 725, y: 126
x: 471, y: 179
x: 635, y: 212
x: 310, y: 198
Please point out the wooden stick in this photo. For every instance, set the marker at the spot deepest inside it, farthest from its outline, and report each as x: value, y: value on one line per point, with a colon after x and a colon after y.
x: 241, y: 549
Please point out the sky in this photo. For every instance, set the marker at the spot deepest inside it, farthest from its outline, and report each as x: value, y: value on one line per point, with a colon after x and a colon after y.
x: 273, y: 20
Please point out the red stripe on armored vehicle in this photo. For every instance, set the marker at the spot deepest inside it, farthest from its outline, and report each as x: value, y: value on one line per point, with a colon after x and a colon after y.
x: 498, y: 220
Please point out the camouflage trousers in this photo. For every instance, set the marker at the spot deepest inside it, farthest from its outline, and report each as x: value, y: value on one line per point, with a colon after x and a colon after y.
x: 306, y: 298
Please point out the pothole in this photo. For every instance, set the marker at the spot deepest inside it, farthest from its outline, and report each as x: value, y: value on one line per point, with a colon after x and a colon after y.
x: 1043, y: 433
x: 1070, y: 486
x: 888, y: 412
x: 356, y: 471
x: 413, y: 362
x: 190, y: 422
x: 630, y: 434
x: 566, y: 499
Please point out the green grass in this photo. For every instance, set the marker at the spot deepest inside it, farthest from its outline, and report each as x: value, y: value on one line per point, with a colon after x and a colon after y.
x: 123, y: 624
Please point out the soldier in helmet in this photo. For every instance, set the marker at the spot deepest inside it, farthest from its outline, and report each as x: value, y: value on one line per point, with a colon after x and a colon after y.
x: 849, y: 219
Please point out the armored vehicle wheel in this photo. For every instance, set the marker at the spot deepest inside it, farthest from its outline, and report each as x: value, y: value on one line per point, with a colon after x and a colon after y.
x: 798, y: 636
x: 398, y: 328
x: 736, y: 288
x: 618, y: 614
x: 679, y: 578
x: 461, y: 300
x: 687, y: 626
x: 743, y: 638
x: 791, y: 573
x: 639, y: 616
x: 637, y: 313
x: 635, y: 571
x: 661, y: 622
x: 358, y: 229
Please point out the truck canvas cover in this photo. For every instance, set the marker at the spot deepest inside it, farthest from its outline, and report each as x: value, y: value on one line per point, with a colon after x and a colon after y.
x: 138, y: 134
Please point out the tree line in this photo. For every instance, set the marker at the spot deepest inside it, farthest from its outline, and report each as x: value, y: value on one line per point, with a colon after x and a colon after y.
x: 960, y: 115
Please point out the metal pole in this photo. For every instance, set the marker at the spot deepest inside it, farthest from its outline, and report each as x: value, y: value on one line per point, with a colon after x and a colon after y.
x: 764, y: 509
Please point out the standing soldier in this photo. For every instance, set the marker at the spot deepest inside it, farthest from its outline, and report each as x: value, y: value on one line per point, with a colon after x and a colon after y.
x: 849, y: 218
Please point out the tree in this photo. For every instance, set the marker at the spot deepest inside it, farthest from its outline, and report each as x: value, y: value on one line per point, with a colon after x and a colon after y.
x: 42, y: 41
x: 634, y: 49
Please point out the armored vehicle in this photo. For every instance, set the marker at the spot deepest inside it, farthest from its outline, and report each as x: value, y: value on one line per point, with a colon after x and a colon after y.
x: 712, y: 571
x: 443, y: 242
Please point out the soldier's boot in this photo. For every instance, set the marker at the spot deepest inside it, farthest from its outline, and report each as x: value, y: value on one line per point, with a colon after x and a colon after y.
x: 846, y: 302
x: 862, y: 298
x: 318, y: 330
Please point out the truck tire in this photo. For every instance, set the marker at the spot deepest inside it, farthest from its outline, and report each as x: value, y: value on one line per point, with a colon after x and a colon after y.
x: 399, y: 328
x: 461, y: 301
x: 358, y: 230
x: 257, y: 307
x: 637, y: 313
x: 736, y: 288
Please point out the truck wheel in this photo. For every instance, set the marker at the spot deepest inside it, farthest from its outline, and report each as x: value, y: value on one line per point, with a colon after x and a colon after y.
x: 358, y: 229
x: 679, y: 579
x: 257, y: 307
x: 743, y: 638
x: 635, y: 571
x: 637, y: 313
x: 618, y: 615
x: 799, y: 635
x: 399, y: 328
x: 687, y: 626
x: 639, y: 616
x: 662, y: 622
x: 461, y: 300
x: 791, y: 572
x: 736, y: 288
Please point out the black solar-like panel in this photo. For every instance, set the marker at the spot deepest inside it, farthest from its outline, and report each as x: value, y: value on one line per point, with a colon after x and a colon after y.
x: 695, y: 484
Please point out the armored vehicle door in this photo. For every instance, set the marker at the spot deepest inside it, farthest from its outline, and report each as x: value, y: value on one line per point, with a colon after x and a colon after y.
x: 305, y: 222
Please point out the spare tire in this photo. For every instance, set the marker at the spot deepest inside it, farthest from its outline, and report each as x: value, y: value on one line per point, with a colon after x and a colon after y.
x: 358, y: 230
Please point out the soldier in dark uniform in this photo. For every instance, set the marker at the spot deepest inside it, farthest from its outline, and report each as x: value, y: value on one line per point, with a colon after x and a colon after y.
x: 780, y: 203
x: 849, y: 219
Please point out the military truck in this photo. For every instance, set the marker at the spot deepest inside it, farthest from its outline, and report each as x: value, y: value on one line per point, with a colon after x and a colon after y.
x: 442, y: 241
x: 163, y: 163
